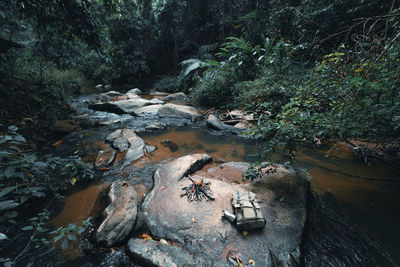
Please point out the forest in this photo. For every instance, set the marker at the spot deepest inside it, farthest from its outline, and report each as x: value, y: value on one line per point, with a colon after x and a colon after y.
x: 312, y: 74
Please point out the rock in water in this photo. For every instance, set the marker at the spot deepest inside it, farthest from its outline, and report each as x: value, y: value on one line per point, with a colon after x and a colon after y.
x: 176, y: 97
x: 214, y: 123
x: 198, y: 226
x: 120, y: 215
x: 127, y: 140
x: 136, y: 91
x: 179, y: 111
x: 105, y: 158
x: 121, y: 106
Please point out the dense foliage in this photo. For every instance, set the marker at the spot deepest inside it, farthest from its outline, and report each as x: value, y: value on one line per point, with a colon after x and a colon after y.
x: 342, y: 84
x: 310, y: 70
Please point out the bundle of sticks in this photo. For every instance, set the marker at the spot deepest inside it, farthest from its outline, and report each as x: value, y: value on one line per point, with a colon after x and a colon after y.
x: 197, y: 190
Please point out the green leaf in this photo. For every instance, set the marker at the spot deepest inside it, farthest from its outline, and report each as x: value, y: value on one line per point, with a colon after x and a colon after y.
x: 7, y: 190
x: 55, y: 239
x: 64, y: 244
x: 81, y: 230
x: 72, y: 237
x: 27, y: 228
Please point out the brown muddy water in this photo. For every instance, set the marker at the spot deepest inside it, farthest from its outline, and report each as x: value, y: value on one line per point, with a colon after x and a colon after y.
x: 352, y: 221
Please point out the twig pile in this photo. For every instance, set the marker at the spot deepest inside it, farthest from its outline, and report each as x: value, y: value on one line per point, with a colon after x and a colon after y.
x: 197, y: 190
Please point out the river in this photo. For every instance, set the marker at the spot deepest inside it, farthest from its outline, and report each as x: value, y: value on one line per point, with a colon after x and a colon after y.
x: 351, y: 221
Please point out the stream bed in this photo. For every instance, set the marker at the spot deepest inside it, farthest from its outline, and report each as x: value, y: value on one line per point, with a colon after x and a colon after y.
x: 351, y: 221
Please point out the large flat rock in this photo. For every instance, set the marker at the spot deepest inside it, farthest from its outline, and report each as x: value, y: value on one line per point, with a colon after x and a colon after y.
x: 198, y: 226
x: 152, y: 253
x: 179, y: 111
x: 122, y: 106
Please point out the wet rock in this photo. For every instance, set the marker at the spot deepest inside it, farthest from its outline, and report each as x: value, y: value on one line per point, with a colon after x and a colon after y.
x: 120, y: 215
x: 136, y: 91
x: 108, y: 87
x: 156, y: 93
x: 198, y: 226
x: 157, y: 127
x: 112, y: 94
x: 152, y: 253
x: 171, y: 145
x: 156, y: 101
x: 121, y: 106
x: 214, y: 123
x: 65, y: 126
x: 127, y: 140
x: 110, y: 122
x: 105, y: 158
x: 148, y: 111
x: 98, y: 86
x: 150, y: 149
x: 85, y: 120
x: 176, y: 97
x: 179, y: 111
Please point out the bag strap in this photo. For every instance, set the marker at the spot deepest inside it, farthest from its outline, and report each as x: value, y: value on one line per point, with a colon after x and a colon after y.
x: 251, y: 200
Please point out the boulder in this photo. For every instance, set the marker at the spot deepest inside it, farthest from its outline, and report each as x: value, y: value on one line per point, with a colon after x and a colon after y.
x: 65, y: 126
x: 179, y: 111
x: 85, y: 120
x: 156, y: 93
x: 153, y: 253
x: 156, y: 101
x: 215, y: 124
x: 111, y: 94
x: 120, y: 215
x: 127, y: 140
x: 199, y: 229
x: 148, y: 111
x: 105, y: 158
x: 136, y: 91
x: 121, y: 106
x: 156, y: 127
x: 176, y: 97
x: 132, y: 95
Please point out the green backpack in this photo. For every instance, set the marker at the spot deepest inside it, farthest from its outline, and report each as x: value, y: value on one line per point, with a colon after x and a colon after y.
x: 248, y: 211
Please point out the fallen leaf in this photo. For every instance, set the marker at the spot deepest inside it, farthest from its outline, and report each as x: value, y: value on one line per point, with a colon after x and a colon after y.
x: 76, y: 152
x: 163, y: 187
x: 245, y: 233
x: 146, y: 237
x: 252, y: 262
x: 104, y: 169
x: 193, y: 220
x: 73, y: 181
x: 56, y: 144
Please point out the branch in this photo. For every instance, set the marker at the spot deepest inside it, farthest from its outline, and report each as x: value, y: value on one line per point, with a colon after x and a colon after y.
x: 387, y: 47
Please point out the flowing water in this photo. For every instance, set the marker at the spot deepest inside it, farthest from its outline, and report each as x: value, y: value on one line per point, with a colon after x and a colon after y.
x: 353, y: 217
